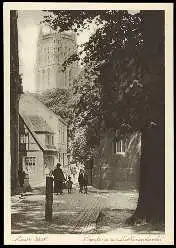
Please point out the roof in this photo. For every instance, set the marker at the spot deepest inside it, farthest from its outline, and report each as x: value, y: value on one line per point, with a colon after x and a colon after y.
x: 38, y: 123
x: 29, y: 126
x: 27, y: 97
x: 34, y: 119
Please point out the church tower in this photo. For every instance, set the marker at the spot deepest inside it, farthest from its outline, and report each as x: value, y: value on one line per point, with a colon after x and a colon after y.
x: 53, y: 48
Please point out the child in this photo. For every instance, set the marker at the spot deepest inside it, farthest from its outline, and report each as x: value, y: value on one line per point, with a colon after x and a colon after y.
x: 69, y: 185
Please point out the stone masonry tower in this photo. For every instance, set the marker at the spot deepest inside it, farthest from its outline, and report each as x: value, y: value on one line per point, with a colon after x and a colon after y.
x: 53, y: 49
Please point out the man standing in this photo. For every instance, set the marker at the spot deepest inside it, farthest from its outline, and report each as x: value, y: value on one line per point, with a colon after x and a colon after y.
x: 21, y: 177
x: 58, y: 179
x: 81, y: 180
x: 85, y: 181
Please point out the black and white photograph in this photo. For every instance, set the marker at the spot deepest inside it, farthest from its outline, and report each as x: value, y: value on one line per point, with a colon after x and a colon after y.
x: 88, y: 92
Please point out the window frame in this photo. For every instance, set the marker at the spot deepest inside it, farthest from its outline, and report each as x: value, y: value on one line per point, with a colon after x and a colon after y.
x: 47, y: 138
x: 50, y: 139
x: 48, y: 76
x: 29, y: 161
x: 122, y: 150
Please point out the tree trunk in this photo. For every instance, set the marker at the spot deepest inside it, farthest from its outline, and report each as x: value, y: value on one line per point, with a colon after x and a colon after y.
x: 14, y: 101
x: 151, y: 202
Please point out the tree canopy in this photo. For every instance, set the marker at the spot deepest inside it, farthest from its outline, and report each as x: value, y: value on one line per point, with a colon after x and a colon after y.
x: 116, y: 88
x: 58, y: 101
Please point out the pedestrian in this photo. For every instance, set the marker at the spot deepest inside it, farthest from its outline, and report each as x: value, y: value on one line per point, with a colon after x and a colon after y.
x: 21, y: 177
x: 81, y: 180
x: 73, y: 171
x: 85, y: 181
x: 69, y: 184
x: 58, y: 179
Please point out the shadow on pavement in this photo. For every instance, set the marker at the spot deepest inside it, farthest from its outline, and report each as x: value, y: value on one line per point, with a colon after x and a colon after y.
x: 111, y: 220
x: 28, y: 217
x: 31, y: 219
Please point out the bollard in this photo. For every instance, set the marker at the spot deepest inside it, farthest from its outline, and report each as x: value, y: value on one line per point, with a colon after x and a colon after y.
x: 49, y: 199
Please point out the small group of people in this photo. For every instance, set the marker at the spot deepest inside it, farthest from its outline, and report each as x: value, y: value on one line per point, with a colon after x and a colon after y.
x: 60, y: 180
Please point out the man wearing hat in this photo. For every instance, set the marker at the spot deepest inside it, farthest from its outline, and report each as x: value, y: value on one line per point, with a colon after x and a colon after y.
x: 58, y: 179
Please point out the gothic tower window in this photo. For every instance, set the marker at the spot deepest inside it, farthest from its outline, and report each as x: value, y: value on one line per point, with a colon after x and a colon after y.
x: 48, y: 56
x: 48, y: 76
x: 69, y: 75
x: 65, y: 79
x: 43, y: 81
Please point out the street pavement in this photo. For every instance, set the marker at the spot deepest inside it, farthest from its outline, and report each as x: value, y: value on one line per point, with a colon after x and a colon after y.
x: 72, y: 213
x: 99, y: 211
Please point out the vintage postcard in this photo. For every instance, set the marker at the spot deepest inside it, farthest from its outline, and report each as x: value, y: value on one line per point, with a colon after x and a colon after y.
x: 88, y: 103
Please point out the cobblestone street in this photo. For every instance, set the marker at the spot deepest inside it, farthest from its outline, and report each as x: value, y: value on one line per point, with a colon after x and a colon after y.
x: 72, y: 213
x: 75, y: 213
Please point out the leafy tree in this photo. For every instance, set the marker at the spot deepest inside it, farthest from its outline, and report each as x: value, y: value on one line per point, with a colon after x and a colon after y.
x: 58, y: 101
x: 86, y: 113
x: 124, y: 69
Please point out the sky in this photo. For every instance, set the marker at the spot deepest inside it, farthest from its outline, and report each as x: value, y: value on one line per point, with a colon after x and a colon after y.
x: 28, y: 27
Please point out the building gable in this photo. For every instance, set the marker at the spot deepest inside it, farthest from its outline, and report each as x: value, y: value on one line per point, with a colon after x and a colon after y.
x: 31, y: 105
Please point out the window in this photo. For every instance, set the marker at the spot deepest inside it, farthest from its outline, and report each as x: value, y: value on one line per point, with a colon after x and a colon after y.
x: 23, y: 139
x: 43, y: 76
x: 119, y: 147
x: 69, y: 75
x: 63, y: 135
x: 49, y: 139
x: 59, y: 42
x: 65, y: 78
x: 30, y: 161
x: 63, y: 159
x: 52, y: 140
x: 45, y: 53
x: 48, y: 75
x: 60, y: 133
